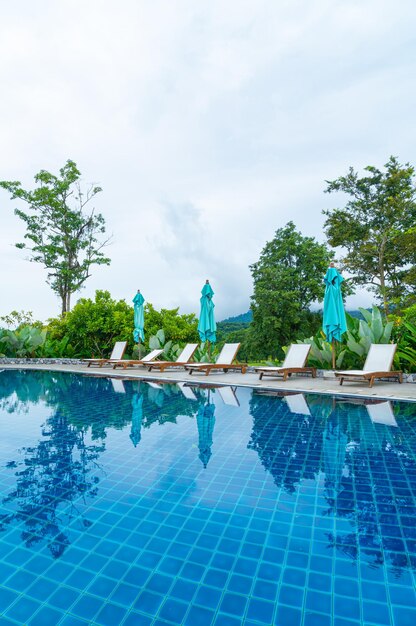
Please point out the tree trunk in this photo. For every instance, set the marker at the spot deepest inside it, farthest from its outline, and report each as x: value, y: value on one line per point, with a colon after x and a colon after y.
x: 382, y: 277
x: 66, y: 302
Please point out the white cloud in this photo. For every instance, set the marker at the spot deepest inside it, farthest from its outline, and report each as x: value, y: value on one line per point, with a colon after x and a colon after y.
x: 208, y: 125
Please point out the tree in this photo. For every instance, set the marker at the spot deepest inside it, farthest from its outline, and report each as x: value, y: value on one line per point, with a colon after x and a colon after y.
x: 377, y: 227
x: 93, y: 326
x: 177, y: 327
x: 60, y: 234
x: 287, y: 278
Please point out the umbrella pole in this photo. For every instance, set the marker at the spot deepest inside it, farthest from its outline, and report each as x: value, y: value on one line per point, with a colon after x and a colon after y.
x: 333, y: 353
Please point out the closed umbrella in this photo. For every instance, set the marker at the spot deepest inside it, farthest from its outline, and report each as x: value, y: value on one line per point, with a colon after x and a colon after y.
x: 207, y: 326
x: 334, y: 322
x: 138, y: 332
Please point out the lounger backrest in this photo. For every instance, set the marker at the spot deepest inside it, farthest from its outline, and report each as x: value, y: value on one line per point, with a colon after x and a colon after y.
x: 228, y: 353
x: 297, y: 404
x: 118, y: 350
x: 118, y: 385
x: 228, y: 396
x: 380, y: 357
x: 187, y: 391
x: 187, y: 353
x: 152, y: 355
x: 381, y: 413
x: 296, y: 355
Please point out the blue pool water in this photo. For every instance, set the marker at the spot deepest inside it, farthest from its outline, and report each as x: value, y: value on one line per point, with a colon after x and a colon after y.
x: 126, y: 503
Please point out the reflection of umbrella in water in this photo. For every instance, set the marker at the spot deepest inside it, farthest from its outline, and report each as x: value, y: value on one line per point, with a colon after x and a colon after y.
x: 334, y: 449
x: 136, y: 418
x: 205, y: 421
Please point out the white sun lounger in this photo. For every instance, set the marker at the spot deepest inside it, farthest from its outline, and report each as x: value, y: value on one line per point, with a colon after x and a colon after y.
x: 377, y: 365
x: 294, y: 363
x: 225, y: 361
x: 183, y: 359
x: 116, y: 355
x: 144, y: 361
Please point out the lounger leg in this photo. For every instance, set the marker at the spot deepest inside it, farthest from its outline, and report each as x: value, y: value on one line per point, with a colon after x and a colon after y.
x: 341, y: 380
x: 261, y: 375
x: 371, y: 381
x: 285, y: 375
x: 243, y: 370
x: 400, y: 378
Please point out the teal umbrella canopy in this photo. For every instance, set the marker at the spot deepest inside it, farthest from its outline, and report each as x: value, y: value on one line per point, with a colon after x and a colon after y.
x: 138, y: 332
x: 334, y: 322
x: 207, y: 325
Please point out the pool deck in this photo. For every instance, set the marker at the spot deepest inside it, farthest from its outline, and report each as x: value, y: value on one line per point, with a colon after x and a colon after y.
x: 299, y: 384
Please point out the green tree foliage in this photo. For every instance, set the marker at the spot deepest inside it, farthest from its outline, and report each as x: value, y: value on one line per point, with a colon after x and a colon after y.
x: 377, y: 227
x: 60, y: 233
x: 16, y: 319
x: 177, y: 328
x: 93, y: 326
x: 287, y: 278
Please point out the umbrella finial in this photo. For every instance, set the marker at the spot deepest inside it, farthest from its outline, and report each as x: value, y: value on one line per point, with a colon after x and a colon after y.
x: 207, y: 282
x: 332, y: 264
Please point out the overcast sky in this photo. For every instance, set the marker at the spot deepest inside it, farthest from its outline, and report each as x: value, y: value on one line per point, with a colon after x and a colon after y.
x: 208, y: 125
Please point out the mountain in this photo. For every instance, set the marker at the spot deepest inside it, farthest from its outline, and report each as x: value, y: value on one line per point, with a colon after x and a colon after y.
x: 243, y: 318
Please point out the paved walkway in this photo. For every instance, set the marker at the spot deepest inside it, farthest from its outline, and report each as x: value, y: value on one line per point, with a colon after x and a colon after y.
x: 405, y: 391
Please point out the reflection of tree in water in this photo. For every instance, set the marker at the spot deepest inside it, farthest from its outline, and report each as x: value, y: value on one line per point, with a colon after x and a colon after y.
x: 59, y: 470
x: 376, y: 493
x: 368, y: 470
x: 165, y: 404
x: 286, y: 443
x: 206, y: 422
x: 53, y: 474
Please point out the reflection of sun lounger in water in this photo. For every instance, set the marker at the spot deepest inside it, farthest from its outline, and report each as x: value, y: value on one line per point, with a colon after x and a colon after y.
x: 228, y: 395
x: 118, y: 385
x: 381, y: 413
x: 297, y: 404
x: 187, y: 391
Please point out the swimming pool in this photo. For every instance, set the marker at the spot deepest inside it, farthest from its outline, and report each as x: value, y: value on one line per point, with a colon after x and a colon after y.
x: 126, y: 502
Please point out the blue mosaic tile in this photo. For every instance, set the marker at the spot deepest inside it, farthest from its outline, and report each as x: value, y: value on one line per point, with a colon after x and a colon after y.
x: 198, y: 512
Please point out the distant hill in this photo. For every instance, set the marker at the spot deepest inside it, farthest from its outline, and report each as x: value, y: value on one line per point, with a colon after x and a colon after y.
x: 243, y: 318
x: 246, y: 318
x: 357, y: 314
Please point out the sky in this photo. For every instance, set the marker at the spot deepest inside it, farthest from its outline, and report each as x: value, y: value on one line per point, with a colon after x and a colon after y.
x: 209, y: 125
